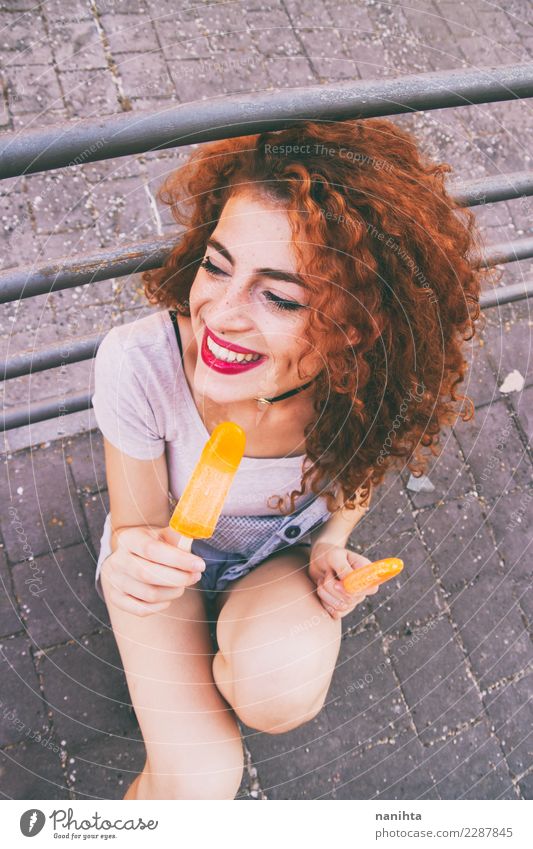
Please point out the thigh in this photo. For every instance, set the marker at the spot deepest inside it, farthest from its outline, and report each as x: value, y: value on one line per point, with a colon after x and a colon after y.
x: 274, y: 634
x: 190, y: 732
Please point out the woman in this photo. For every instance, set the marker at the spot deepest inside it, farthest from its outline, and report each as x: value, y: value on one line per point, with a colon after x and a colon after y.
x: 318, y: 296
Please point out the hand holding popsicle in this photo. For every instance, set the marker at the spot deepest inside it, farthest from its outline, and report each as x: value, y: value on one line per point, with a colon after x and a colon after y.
x: 145, y: 572
x: 343, y: 578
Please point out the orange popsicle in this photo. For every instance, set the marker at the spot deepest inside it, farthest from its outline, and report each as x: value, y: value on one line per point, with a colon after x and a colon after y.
x: 197, y: 512
x: 373, y: 573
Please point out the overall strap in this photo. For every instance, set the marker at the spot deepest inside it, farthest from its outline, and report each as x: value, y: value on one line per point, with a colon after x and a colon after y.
x: 174, y: 320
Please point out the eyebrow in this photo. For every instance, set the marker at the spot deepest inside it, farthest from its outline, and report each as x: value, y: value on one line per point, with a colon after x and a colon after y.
x: 272, y: 273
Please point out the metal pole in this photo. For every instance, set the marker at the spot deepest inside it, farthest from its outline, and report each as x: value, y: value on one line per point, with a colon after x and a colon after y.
x: 248, y: 113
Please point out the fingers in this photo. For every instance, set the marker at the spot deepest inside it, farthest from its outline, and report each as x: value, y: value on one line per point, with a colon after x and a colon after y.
x: 335, y: 603
x: 147, y: 592
x: 150, y: 572
x: 330, y: 599
x: 147, y: 544
x: 134, y: 605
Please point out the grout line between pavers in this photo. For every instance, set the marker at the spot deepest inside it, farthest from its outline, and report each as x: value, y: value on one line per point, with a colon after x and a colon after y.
x: 254, y: 786
x: 295, y: 32
x: 123, y: 99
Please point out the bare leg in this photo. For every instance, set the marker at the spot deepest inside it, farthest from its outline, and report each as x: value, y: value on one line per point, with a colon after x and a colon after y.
x: 193, y: 743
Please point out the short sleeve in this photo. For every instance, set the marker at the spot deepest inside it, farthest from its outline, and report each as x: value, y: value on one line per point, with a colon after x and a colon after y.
x: 120, y: 401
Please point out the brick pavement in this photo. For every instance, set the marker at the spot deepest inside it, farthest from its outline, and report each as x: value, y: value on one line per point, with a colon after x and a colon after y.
x: 430, y: 695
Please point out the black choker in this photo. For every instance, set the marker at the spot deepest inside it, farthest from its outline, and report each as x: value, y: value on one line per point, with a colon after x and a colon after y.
x: 285, y: 395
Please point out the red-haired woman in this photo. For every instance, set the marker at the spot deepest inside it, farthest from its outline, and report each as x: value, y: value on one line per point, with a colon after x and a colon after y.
x: 318, y: 295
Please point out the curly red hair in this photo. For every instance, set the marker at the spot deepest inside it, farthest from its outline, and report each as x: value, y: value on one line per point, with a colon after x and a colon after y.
x: 386, y: 252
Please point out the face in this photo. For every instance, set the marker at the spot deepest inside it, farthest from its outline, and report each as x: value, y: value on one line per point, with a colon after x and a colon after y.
x: 245, y: 307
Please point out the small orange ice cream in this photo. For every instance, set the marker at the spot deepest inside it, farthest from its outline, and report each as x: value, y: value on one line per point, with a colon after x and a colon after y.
x: 368, y: 576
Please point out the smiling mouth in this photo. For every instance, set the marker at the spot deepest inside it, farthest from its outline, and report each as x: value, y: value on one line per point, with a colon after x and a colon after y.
x: 227, y: 347
x: 225, y: 360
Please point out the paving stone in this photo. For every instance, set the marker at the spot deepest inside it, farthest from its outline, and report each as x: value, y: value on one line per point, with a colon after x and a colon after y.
x: 364, y: 703
x: 22, y: 709
x: 414, y: 595
x: 298, y: 764
x: 85, y: 456
x: 75, y: 10
x: 37, y: 120
x: 33, y: 89
x: 100, y: 98
x: 435, y: 679
x: 76, y: 45
x: 144, y: 75
x: 389, y: 514
x: 129, y: 34
x: 511, y: 521
x: 275, y: 37
x: 471, y: 765
x: 44, y: 512
x: 447, y: 472
x: 105, y: 767
x: 293, y: 71
x: 57, y: 200
x: 16, y: 231
x: 129, y: 7
x: 95, y: 318
x: 23, y: 40
x: 509, y: 347
x: 220, y: 74
x: 353, y: 20
x: 96, y: 508
x: 491, y: 629
x: 395, y: 769
x: 123, y: 211
x: 480, y: 381
x: 10, y: 621
x: 32, y: 770
x: 458, y: 536
x: 86, y: 689
x: 510, y: 711
x: 180, y: 39
x: 494, y: 451
x: 64, y: 605
x: 111, y: 169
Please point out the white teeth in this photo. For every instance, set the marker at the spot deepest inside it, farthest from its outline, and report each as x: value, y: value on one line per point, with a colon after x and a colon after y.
x: 229, y: 356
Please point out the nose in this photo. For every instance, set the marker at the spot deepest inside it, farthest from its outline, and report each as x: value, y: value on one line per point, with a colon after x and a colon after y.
x: 232, y: 309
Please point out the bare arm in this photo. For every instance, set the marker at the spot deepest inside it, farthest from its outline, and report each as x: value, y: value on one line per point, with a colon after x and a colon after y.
x: 337, y: 530
x: 138, y: 491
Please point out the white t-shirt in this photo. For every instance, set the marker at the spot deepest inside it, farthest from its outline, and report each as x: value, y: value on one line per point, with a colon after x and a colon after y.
x: 143, y: 405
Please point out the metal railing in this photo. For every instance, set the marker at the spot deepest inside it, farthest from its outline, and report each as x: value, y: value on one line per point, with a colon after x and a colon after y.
x: 131, y: 133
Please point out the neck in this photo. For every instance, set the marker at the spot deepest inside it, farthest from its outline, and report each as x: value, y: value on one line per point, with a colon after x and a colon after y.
x: 253, y: 415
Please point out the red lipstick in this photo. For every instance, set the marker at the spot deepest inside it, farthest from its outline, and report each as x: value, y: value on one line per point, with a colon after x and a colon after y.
x: 227, y: 368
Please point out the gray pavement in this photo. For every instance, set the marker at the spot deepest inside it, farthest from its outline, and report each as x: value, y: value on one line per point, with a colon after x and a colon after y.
x: 430, y: 695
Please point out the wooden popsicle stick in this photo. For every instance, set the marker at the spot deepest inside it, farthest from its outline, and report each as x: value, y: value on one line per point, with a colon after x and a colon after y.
x: 184, y: 543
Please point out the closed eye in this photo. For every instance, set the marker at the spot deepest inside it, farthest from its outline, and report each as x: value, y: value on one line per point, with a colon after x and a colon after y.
x: 279, y: 303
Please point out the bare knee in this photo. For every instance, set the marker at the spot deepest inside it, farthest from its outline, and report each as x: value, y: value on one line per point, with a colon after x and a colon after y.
x: 275, y: 692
